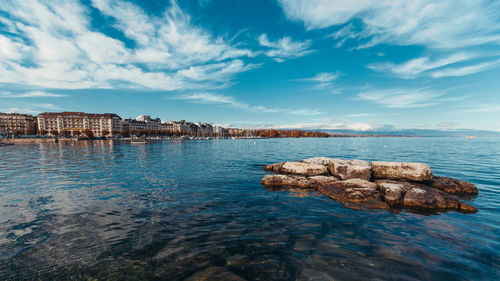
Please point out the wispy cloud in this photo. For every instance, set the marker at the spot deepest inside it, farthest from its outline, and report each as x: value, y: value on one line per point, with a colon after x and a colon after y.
x: 421, y: 22
x: 415, y: 67
x: 53, y: 46
x: 326, y: 124
x: 401, y: 98
x: 465, y: 70
x: 284, y: 48
x: 212, y: 98
x: 28, y: 107
x: 323, y: 81
x: 34, y: 94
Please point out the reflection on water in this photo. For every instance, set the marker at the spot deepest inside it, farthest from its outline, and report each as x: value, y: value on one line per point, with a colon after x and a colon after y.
x: 110, y: 210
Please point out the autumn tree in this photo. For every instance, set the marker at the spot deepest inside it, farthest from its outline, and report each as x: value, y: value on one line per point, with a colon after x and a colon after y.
x: 89, y: 134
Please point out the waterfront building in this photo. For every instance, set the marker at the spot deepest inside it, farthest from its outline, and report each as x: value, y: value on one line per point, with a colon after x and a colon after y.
x: 150, y: 124
x: 17, y: 123
x: 74, y: 123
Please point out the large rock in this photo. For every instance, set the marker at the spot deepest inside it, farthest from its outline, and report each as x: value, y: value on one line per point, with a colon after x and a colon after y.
x: 350, y: 169
x: 401, y: 171
x: 393, y: 192
x: 318, y: 181
x: 286, y: 180
x: 354, y: 194
x: 429, y: 198
x: 453, y: 186
x: 275, y: 167
x: 318, y: 160
x: 298, y: 168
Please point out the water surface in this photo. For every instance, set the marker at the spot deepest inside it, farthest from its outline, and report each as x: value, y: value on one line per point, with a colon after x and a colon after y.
x: 164, y: 211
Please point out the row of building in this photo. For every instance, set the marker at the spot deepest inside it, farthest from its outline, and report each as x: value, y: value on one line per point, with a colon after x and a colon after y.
x: 106, y: 124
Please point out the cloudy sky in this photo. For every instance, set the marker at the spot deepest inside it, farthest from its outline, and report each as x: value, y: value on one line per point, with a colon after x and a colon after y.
x: 328, y: 64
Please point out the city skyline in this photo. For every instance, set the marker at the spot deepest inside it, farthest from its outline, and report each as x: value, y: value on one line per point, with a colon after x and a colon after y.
x: 282, y: 64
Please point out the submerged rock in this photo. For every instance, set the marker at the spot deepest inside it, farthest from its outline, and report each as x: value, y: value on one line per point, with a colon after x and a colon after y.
x: 453, y: 186
x: 215, y: 273
x: 401, y: 171
x: 298, y: 168
x: 350, y: 169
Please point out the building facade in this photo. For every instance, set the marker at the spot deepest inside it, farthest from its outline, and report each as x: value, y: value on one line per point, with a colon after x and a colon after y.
x: 74, y: 123
x: 17, y: 123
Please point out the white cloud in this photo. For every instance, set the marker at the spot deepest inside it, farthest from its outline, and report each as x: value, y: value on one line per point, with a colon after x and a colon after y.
x: 34, y: 94
x: 327, y: 125
x: 402, y: 98
x: 54, y: 46
x: 323, y: 81
x: 413, y: 68
x: 465, y: 70
x: 211, y: 98
x: 284, y: 48
x: 445, y: 24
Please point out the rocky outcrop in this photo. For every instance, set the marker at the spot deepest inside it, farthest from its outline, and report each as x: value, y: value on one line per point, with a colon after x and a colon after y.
x: 401, y: 171
x: 350, y: 169
x: 453, y: 186
x: 298, y: 168
x: 397, y: 185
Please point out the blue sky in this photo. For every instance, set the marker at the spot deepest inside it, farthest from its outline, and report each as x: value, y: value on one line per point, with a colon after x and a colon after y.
x: 310, y: 64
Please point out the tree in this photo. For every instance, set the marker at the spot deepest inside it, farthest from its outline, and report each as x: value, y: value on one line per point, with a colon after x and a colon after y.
x: 89, y: 134
x: 104, y: 133
x: 54, y: 133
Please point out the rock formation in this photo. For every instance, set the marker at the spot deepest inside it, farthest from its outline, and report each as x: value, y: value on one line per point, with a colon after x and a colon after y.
x: 382, y: 185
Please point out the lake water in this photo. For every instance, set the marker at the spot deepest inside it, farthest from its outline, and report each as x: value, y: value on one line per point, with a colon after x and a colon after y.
x: 167, y: 210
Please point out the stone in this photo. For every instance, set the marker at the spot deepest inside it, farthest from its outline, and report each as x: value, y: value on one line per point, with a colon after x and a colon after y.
x: 393, y: 192
x: 298, y: 168
x: 452, y: 186
x: 286, y: 180
x: 318, y: 160
x: 215, y: 273
x: 318, y: 181
x: 350, y: 169
x: 425, y: 197
x: 401, y: 171
x: 355, y: 194
x: 276, y: 167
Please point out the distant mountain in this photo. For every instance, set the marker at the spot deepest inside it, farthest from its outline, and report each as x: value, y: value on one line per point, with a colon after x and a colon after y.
x: 420, y: 132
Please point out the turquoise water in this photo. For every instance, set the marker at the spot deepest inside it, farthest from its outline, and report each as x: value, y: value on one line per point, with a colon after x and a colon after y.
x: 164, y: 211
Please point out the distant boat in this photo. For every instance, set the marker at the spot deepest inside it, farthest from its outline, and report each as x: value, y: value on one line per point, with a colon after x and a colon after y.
x: 470, y: 137
x: 138, y: 140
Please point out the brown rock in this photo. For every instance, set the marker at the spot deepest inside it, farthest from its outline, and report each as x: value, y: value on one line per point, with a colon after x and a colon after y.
x: 318, y: 160
x: 453, y: 186
x: 425, y: 197
x: 276, y: 167
x: 298, y: 168
x: 350, y: 169
x: 393, y: 192
x: 318, y: 181
x: 401, y: 171
x: 354, y: 194
x: 286, y: 180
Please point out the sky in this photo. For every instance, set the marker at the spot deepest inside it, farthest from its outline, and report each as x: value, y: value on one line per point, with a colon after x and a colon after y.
x: 305, y: 64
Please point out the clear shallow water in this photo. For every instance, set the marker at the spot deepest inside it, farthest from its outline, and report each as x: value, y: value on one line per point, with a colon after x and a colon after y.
x: 167, y: 210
